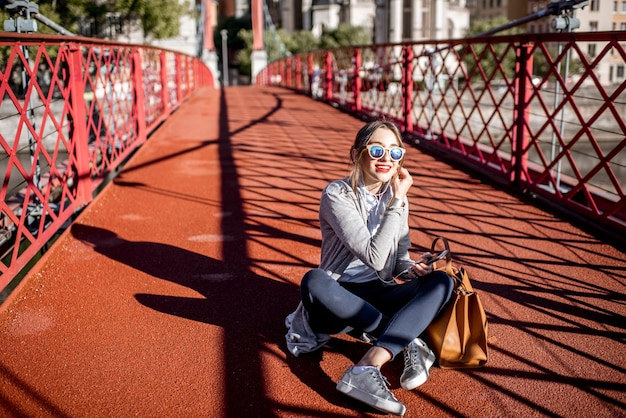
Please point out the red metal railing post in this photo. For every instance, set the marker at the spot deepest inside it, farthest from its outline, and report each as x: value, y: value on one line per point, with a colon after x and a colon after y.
x: 311, y: 73
x: 267, y: 75
x: 328, y: 88
x: 407, y: 88
x: 164, y: 83
x: 189, y: 65
x: 288, y: 63
x: 283, y: 72
x: 523, y: 78
x: 79, y: 135
x: 357, y: 81
x: 179, y: 79
x: 298, y: 73
x: 138, y: 96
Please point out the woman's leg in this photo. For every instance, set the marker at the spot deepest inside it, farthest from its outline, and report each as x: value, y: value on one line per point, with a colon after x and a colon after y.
x: 332, y: 308
x: 420, y: 300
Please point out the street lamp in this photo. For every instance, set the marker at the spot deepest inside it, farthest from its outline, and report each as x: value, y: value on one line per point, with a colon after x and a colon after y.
x: 224, y: 34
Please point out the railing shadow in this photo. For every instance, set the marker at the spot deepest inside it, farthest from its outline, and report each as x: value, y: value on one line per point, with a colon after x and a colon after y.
x: 542, y: 284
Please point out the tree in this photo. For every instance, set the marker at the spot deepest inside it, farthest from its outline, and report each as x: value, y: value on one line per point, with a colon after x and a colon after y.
x: 300, y: 41
x: 281, y: 43
x: 157, y: 19
x: 497, y: 62
x: 344, y: 35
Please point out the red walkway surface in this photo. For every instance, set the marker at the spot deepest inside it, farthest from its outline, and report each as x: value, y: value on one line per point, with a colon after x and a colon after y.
x: 166, y: 297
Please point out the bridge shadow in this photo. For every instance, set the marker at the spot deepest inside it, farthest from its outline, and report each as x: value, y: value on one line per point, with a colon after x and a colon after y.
x: 539, y: 281
x: 245, y: 305
x: 249, y: 307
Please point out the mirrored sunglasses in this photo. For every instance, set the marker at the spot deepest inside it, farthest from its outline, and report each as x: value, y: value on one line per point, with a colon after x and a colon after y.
x: 377, y: 152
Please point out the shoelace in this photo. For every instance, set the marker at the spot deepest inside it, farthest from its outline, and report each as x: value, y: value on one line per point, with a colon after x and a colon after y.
x: 382, y: 380
x: 410, y: 359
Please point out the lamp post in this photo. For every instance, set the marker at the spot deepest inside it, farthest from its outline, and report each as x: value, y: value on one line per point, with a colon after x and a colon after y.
x: 565, y: 21
x: 224, y: 34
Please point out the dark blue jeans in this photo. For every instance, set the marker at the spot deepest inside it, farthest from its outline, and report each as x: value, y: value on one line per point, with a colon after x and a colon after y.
x: 394, y: 314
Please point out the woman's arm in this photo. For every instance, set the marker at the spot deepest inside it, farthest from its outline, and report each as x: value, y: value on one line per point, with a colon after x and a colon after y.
x: 340, y: 215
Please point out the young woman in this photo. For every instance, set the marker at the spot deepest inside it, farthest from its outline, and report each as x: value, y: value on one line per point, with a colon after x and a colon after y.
x: 366, y: 281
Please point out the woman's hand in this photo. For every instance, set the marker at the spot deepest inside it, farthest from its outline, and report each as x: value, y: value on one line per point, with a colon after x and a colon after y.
x: 418, y: 269
x: 402, y: 183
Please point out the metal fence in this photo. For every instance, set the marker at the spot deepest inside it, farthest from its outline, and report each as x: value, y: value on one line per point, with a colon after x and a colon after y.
x: 73, y: 109
x: 542, y: 113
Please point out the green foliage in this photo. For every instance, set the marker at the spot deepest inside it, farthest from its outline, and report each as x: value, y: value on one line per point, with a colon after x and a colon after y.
x: 481, y: 26
x: 281, y: 43
x: 159, y: 19
x: 300, y: 41
x: 543, y: 66
x: 344, y: 35
x: 234, y: 26
x: 495, y: 60
x: 244, y: 55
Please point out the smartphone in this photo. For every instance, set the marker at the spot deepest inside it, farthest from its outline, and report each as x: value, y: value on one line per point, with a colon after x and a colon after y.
x: 434, y: 258
x: 403, y: 276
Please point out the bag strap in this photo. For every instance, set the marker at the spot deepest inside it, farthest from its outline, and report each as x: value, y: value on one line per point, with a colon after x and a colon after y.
x: 446, y: 244
x: 462, y: 281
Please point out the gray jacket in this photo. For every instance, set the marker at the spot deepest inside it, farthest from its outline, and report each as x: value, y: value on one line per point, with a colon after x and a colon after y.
x: 345, y: 235
x: 343, y: 222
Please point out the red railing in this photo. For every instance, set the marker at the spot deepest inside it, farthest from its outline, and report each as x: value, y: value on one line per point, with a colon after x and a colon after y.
x: 73, y: 109
x: 543, y: 113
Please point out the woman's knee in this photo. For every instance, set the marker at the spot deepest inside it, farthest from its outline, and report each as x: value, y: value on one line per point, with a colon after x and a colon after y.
x: 315, y: 282
x: 443, y: 282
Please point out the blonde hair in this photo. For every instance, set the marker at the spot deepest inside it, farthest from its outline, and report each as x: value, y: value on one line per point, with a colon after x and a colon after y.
x: 362, y: 139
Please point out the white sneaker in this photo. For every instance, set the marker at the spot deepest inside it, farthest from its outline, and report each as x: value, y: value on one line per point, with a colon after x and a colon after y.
x: 370, y: 387
x: 418, y: 359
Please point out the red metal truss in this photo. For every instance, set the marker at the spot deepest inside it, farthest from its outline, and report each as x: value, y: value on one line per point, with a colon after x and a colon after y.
x: 542, y: 113
x: 71, y: 113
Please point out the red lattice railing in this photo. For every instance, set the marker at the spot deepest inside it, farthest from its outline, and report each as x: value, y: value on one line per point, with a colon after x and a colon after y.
x: 541, y: 113
x: 73, y: 109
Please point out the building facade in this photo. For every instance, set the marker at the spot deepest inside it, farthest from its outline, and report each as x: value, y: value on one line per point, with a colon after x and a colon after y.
x: 386, y: 21
x: 596, y: 16
x: 489, y: 9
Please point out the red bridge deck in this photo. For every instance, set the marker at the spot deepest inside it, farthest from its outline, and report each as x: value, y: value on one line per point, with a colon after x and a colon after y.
x: 166, y: 297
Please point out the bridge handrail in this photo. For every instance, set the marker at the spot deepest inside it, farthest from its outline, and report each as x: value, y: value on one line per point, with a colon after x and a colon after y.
x: 73, y: 109
x: 543, y: 114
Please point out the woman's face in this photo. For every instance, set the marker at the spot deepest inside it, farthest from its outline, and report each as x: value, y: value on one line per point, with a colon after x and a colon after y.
x: 382, y: 170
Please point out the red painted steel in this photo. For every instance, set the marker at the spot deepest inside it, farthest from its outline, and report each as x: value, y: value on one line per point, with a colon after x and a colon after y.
x: 167, y: 296
x: 531, y: 110
x: 82, y: 107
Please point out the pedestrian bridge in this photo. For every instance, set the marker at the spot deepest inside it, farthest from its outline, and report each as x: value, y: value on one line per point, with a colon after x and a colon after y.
x: 154, y: 229
x: 166, y: 295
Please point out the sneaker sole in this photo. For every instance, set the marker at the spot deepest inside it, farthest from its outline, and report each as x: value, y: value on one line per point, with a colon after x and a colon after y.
x: 380, y: 404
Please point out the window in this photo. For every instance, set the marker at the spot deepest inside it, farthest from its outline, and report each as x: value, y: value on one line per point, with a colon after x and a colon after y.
x: 591, y: 50
x: 620, y: 71
x: 406, y: 20
x: 622, y: 26
x: 594, y: 5
x: 593, y: 26
x: 623, y: 6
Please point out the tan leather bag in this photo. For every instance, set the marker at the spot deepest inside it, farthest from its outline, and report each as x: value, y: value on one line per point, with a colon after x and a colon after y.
x: 458, y: 335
